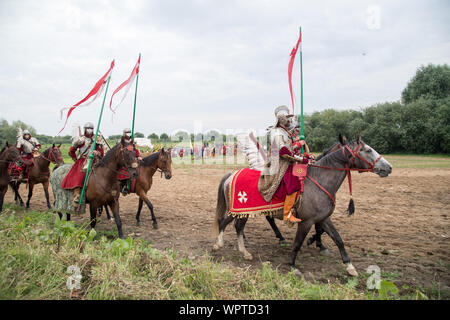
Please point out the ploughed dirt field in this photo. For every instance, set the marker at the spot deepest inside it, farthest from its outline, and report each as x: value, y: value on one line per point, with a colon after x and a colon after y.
x: 401, y: 224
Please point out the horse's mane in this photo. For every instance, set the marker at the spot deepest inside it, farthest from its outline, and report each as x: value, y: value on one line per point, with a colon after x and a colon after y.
x: 325, y: 152
x: 149, y: 160
x: 108, y: 156
x: 3, y: 149
x: 330, y: 158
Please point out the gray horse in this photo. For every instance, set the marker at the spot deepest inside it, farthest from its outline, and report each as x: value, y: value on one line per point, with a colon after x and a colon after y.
x: 317, y: 203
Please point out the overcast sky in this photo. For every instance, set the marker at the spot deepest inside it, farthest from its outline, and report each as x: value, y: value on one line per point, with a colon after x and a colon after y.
x: 210, y: 64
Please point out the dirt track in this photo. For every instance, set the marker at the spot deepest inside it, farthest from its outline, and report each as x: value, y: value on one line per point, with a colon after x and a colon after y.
x: 401, y: 224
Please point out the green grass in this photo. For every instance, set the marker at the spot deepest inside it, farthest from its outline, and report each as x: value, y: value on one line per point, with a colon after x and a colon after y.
x: 418, y: 161
x: 36, y: 249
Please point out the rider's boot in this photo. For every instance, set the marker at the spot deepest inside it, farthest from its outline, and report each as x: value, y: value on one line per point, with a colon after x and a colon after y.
x: 76, y: 198
x: 288, y: 208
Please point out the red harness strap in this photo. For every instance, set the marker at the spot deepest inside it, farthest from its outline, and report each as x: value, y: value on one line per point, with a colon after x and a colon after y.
x: 322, y: 188
x: 347, y: 169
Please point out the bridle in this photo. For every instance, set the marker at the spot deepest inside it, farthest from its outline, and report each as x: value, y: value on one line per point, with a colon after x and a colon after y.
x: 355, y: 154
x: 55, y: 160
x: 115, y: 171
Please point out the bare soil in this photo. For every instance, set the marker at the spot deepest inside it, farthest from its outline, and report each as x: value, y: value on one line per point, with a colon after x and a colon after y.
x: 401, y: 224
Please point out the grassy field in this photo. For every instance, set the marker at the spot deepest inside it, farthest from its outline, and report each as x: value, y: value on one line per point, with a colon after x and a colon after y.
x: 36, y: 250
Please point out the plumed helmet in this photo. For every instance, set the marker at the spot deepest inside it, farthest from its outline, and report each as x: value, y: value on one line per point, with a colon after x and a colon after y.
x: 88, y: 125
x: 282, y: 114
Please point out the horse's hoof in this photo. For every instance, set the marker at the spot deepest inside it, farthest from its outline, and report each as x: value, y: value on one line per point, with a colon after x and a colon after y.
x: 216, y: 247
x: 155, y: 226
x: 297, y: 272
x: 310, y: 241
x: 325, y: 252
x: 248, y: 256
x: 138, y: 223
x: 22, y: 204
x: 351, y: 270
x: 284, y: 242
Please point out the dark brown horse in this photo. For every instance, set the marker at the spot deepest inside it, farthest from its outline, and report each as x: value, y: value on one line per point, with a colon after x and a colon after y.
x: 103, y: 187
x: 39, y: 172
x: 9, y: 154
x: 158, y: 161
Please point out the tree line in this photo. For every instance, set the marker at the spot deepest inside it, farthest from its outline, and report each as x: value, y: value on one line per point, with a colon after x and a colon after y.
x: 419, y: 123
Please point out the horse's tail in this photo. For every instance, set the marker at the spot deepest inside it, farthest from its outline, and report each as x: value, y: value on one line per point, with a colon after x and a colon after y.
x: 221, y: 207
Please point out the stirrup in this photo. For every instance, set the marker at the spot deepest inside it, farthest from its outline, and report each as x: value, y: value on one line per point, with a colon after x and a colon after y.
x: 292, y: 219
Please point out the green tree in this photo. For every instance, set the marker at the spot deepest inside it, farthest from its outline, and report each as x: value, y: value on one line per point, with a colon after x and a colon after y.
x: 429, y: 82
x: 164, y: 137
x: 139, y: 135
x: 153, y: 136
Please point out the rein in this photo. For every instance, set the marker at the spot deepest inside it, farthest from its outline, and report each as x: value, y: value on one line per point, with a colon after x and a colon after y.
x: 348, y: 170
x: 50, y: 153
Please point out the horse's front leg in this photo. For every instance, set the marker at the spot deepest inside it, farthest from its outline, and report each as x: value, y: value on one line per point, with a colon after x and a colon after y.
x: 275, y: 229
x: 30, y: 193
x: 143, y: 196
x: 240, y: 225
x: 332, y: 232
x: 17, y: 198
x: 2, y: 196
x: 115, y: 209
x: 138, y: 214
x: 47, y: 197
x: 317, y: 238
x: 302, y: 230
x: 93, y: 211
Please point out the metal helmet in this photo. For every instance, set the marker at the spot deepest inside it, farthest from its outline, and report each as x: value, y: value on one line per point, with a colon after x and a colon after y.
x: 88, y: 125
x: 282, y: 114
x: 26, y: 132
x: 126, y: 130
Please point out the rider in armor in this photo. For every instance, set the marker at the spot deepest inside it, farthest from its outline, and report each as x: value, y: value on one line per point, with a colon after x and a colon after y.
x: 28, y: 146
x: 277, y: 179
x: 75, y: 177
x: 123, y: 176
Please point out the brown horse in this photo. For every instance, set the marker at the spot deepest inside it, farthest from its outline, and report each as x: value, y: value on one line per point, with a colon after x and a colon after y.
x: 9, y: 154
x: 102, y: 186
x: 158, y: 161
x: 39, y: 173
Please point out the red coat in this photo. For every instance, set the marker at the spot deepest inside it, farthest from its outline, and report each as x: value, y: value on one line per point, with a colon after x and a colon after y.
x: 75, y: 177
x: 290, y: 183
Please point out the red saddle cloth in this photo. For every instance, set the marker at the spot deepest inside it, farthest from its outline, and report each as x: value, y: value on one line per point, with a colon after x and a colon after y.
x: 245, y: 198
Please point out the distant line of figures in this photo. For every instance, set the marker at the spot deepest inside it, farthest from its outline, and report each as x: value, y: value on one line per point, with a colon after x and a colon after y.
x: 205, y: 151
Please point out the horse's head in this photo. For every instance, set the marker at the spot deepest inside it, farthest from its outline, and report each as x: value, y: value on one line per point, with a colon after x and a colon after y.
x: 126, y: 156
x: 54, y: 155
x: 366, y: 158
x: 12, y: 154
x: 165, y: 162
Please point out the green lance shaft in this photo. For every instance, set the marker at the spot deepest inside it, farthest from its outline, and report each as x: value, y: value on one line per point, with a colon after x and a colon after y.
x: 302, y: 137
x: 91, y: 156
x: 135, y: 95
